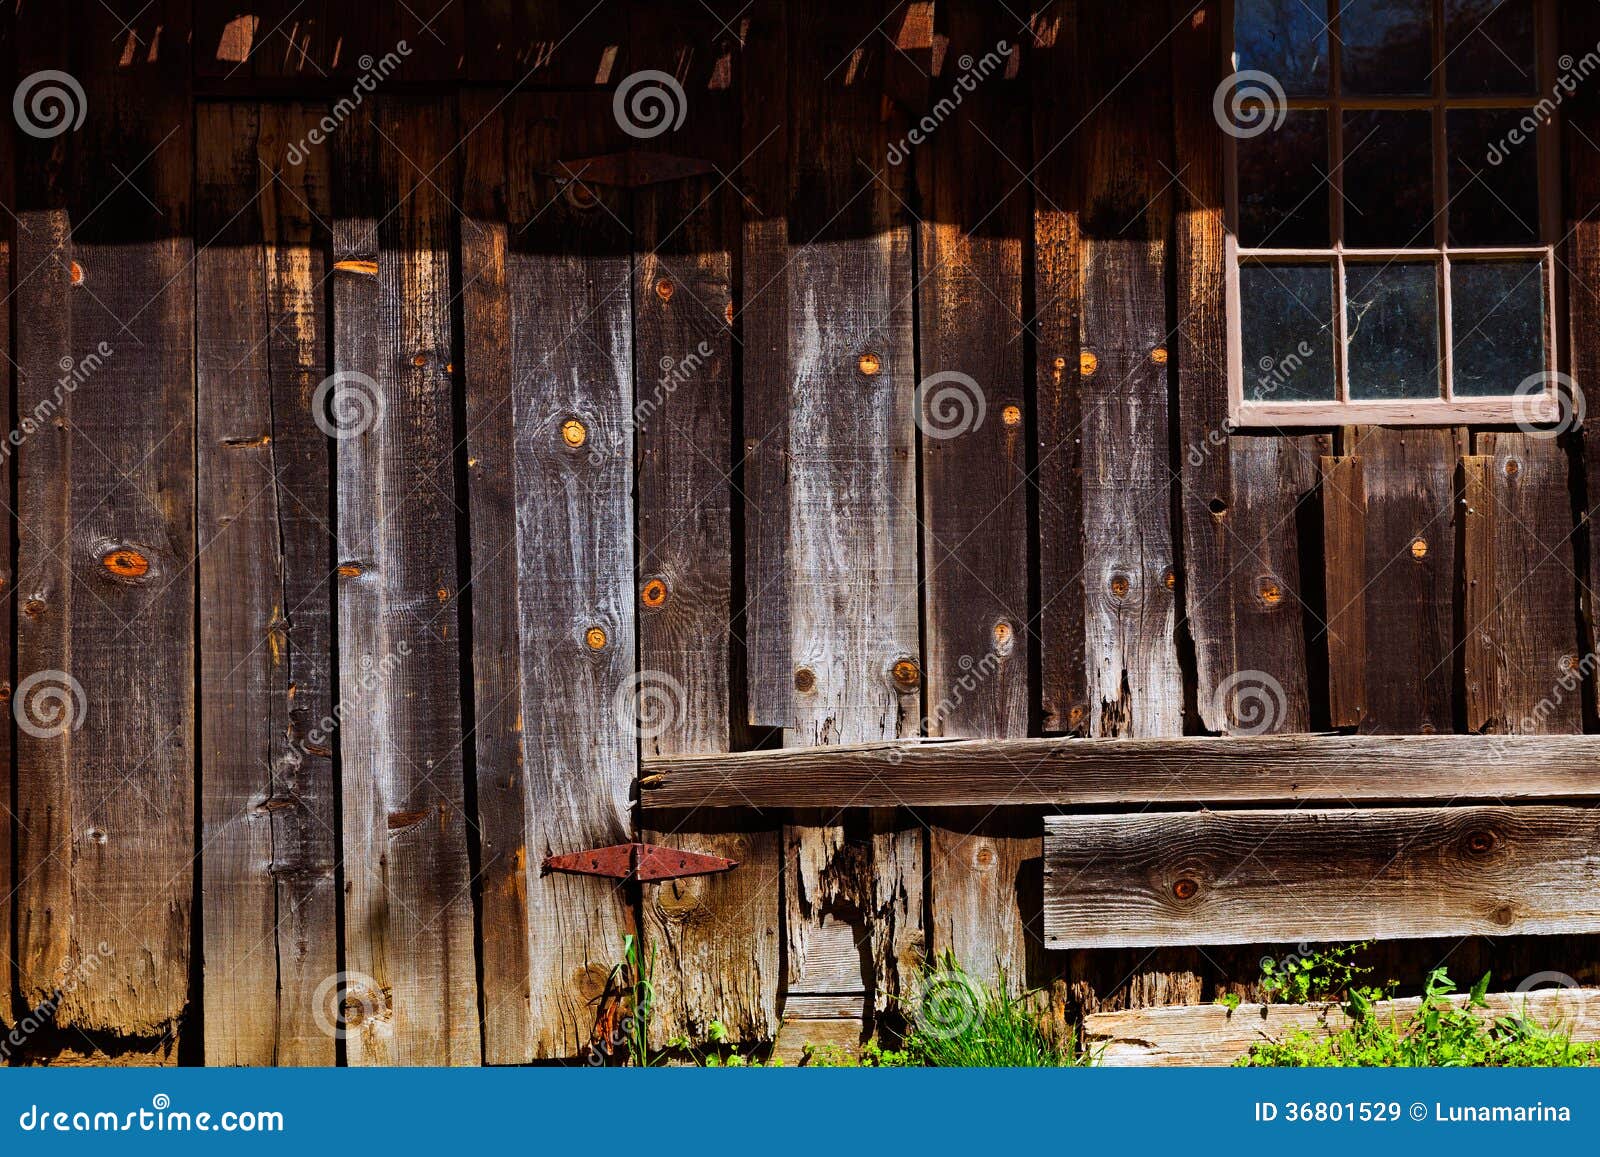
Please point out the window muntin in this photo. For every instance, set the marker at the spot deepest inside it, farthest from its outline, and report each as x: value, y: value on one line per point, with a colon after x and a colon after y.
x: 1391, y: 227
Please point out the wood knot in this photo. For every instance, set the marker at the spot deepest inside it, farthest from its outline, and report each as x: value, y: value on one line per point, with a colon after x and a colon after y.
x: 1169, y: 579
x: 985, y: 858
x: 35, y: 607
x: 805, y: 680
x: 1419, y: 548
x: 1087, y: 364
x: 1217, y: 506
x: 1075, y: 716
x: 419, y: 359
x: 1481, y: 841
x: 595, y: 638
x: 664, y: 290
x: 870, y: 365
x: 125, y: 564
x: 350, y: 569
x: 75, y: 272
x: 574, y: 433
x: 1504, y: 915
x: 654, y: 594
x: 906, y: 674
x: 1159, y: 355
x: 1119, y: 586
x: 1512, y: 467
x: 1269, y: 590
x: 1185, y: 888
x: 1003, y: 636
x: 727, y: 313
x: 1011, y: 415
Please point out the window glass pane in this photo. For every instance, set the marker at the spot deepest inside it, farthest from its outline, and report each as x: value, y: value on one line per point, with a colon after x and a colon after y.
x: 1287, y: 39
x: 1489, y: 47
x: 1494, y: 178
x: 1388, y: 46
x: 1283, y: 184
x: 1287, y: 320
x: 1388, y: 179
x: 1498, y: 323
x: 1392, y: 329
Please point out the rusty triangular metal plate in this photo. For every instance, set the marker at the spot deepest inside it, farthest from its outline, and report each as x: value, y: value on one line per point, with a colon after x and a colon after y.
x: 628, y: 170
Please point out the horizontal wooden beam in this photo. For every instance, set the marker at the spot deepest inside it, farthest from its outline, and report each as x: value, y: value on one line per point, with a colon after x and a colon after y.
x: 1210, y: 1034
x: 1267, y: 769
x: 1245, y: 877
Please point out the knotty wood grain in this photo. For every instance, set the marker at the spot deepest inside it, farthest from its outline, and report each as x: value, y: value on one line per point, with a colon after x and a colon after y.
x: 1080, y: 772
x: 408, y: 913
x: 570, y: 278
x: 1212, y: 1034
x: 107, y: 809
x: 718, y: 936
x: 1286, y: 876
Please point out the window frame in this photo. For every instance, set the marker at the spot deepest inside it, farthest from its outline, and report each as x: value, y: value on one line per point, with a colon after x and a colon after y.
x: 1446, y: 409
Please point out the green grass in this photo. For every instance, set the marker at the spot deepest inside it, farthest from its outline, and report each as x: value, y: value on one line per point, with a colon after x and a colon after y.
x: 1441, y: 1033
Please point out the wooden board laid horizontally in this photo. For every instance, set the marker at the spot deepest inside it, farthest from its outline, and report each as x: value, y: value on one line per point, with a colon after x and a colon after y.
x: 1319, y: 875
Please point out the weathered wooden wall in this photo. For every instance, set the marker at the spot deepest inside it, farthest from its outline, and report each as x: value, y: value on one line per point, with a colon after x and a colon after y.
x: 414, y: 432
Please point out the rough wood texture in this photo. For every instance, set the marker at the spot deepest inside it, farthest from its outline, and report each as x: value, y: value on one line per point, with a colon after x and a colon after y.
x: 1135, y: 685
x: 971, y: 416
x: 1523, y: 673
x: 717, y: 935
x: 1410, y: 593
x: 572, y: 396
x: 106, y: 523
x: 1344, y: 552
x: 408, y: 909
x: 267, y: 806
x: 853, y: 616
x: 1285, y: 876
x: 1057, y: 301
x: 1212, y: 1034
x: 1076, y: 772
x: 492, y: 590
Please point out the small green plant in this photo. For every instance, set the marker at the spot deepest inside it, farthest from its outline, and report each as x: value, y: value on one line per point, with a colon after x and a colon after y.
x: 1300, y: 978
x: 627, y: 1005
x: 1441, y: 1032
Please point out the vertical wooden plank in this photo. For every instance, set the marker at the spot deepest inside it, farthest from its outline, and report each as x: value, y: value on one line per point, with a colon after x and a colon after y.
x: 408, y: 923
x: 717, y: 936
x: 108, y: 510
x: 1523, y: 671
x: 762, y: 323
x: 8, y: 588
x: 1344, y: 552
x: 570, y: 276
x: 852, y: 581
x: 496, y: 654
x: 1135, y: 686
x: 1409, y: 477
x: 267, y: 809
x: 974, y: 471
x: 1057, y: 303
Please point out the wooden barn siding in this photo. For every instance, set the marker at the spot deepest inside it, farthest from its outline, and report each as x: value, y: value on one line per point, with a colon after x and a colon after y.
x: 1139, y: 589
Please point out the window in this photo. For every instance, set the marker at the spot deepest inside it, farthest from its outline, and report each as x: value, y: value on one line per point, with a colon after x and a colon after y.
x: 1392, y: 211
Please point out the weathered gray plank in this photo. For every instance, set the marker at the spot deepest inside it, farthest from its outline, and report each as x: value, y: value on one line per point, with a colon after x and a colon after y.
x: 1077, y: 772
x: 1236, y: 877
x: 408, y: 915
x: 1212, y: 1034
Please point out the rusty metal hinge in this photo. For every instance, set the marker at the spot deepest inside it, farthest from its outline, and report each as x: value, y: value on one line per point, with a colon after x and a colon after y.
x: 643, y: 861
